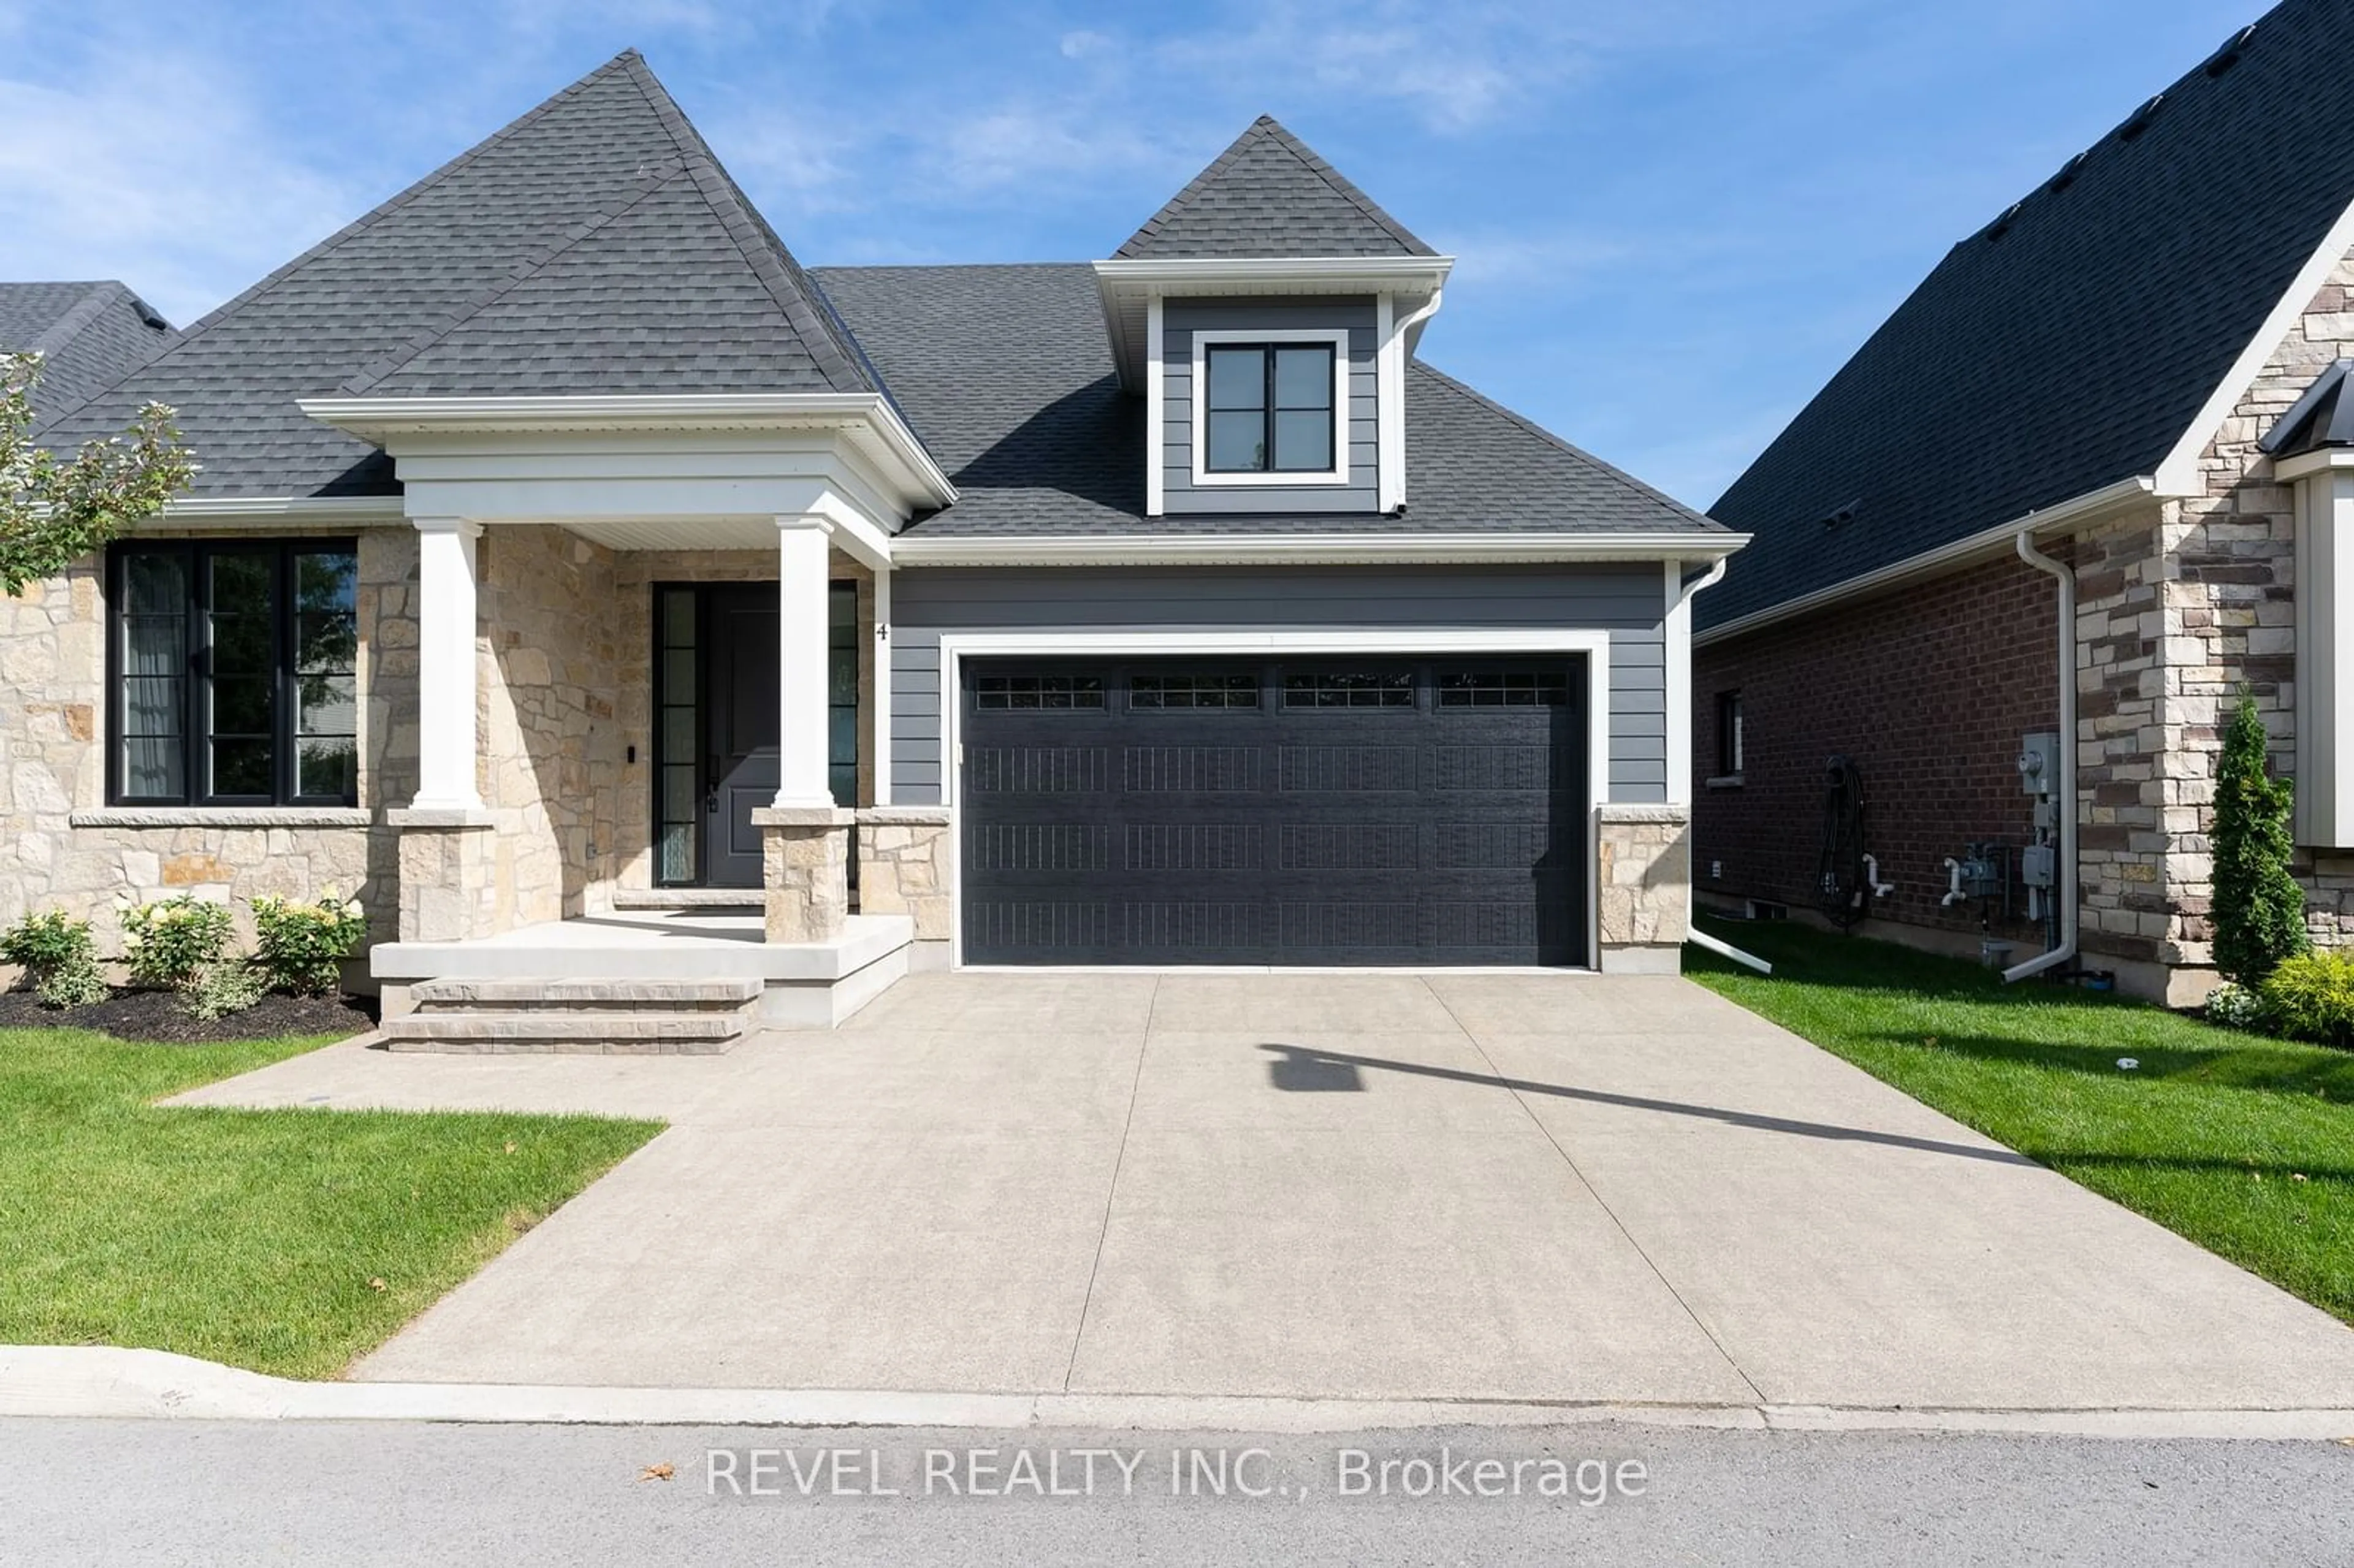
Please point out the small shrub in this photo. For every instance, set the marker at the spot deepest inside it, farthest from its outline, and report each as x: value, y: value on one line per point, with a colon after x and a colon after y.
x: 58, y: 957
x: 2257, y: 906
x: 169, y: 943
x: 2311, y: 997
x: 2236, y: 1006
x: 300, y: 946
x: 218, y: 990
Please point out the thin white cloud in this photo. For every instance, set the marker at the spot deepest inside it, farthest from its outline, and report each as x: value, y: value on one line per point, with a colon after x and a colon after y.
x: 1455, y: 67
x: 153, y: 172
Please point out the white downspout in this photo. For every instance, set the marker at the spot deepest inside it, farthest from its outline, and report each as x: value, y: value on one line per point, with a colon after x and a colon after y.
x: 2064, y: 802
x: 1679, y: 704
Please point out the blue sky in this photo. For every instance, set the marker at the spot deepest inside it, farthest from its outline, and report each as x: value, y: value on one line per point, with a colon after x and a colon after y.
x: 1674, y: 219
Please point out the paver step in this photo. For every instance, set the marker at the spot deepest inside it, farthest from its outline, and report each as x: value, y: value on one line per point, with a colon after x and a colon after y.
x: 591, y: 1033
x: 725, y: 992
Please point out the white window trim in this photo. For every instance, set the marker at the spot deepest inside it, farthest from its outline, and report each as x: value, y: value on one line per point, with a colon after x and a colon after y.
x: 1205, y: 339
x: 1403, y: 641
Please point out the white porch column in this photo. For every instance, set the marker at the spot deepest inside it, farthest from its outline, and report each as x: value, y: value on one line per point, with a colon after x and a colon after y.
x: 446, y: 729
x: 801, y: 719
x: 804, y: 837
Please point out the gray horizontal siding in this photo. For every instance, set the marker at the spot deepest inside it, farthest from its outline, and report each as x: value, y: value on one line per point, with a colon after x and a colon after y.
x: 1626, y: 601
x: 1181, y: 318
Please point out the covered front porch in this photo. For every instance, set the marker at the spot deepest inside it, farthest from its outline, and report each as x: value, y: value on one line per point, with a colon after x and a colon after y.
x: 647, y: 723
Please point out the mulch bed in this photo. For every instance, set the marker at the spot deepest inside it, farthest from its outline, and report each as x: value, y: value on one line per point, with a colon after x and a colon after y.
x: 157, y: 1015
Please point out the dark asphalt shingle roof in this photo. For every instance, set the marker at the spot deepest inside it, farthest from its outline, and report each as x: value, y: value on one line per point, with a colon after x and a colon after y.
x: 2071, y: 351
x: 1007, y: 375
x: 1270, y: 196
x: 88, y: 335
x: 595, y: 245
x: 2323, y: 417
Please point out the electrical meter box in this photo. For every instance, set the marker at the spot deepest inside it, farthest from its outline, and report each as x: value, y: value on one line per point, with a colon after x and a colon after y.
x: 2036, y: 864
x: 2039, y: 763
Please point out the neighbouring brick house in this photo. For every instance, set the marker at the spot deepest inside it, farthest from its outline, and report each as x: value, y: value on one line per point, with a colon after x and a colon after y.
x: 2130, y: 371
x: 633, y: 616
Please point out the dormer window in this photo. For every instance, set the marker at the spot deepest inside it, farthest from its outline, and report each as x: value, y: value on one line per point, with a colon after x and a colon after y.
x: 1269, y: 408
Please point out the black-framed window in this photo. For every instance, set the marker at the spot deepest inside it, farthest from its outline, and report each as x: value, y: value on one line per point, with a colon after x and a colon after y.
x: 1268, y: 408
x: 1728, y: 733
x: 232, y: 672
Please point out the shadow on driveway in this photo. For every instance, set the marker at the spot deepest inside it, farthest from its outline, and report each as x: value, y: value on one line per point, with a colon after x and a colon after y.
x: 1301, y: 1069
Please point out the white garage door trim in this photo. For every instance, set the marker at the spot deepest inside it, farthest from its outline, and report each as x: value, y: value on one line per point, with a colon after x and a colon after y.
x: 956, y: 646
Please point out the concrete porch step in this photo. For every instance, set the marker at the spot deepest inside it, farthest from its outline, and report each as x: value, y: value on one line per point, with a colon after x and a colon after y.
x: 589, y: 1032
x: 687, y: 898
x: 725, y: 992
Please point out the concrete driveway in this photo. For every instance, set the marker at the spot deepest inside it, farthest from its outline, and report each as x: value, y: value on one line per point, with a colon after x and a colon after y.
x: 1506, y: 1187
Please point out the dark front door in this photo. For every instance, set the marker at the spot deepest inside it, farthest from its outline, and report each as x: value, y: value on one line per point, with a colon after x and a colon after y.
x: 716, y: 724
x: 1313, y: 812
x: 740, y: 730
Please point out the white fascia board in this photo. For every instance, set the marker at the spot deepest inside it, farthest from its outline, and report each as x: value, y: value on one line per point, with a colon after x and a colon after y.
x: 2312, y: 462
x: 1125, y: 285
x: 1309, y: 549
x: 2177, y: 474
x: 2093, y: 507
x: 1221, y: 274
x: 309, y: 510
x: 380, y: 422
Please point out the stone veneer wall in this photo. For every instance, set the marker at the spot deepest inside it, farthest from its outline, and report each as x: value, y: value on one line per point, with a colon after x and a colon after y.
x: 1644, y: 872
x: 2174, y: 615
x: 61, y: 848
x: 903, y: 866
x: 551, y: 739
x: 637, y: 573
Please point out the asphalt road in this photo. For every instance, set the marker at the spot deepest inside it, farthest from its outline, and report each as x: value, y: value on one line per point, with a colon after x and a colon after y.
x: 213, y: 1493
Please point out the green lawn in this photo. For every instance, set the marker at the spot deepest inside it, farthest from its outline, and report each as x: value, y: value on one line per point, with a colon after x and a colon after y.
x: 286, y: 1241
x: 2243, y: 1143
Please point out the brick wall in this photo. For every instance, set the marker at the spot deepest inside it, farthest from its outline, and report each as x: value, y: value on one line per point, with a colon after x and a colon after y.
x: 1930, y: 689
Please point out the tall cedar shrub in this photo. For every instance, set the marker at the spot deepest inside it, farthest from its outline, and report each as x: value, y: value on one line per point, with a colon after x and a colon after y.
x: 2259, y: 909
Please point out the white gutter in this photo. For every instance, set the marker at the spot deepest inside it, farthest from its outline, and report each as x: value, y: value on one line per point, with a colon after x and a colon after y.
x: 2064, y: 803
x: 1275, y: 549
x: 2079, y: 510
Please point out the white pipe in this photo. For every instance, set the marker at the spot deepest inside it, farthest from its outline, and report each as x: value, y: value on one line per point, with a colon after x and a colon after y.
x: 1701, y: 938
x: 1872, y: 877
x: 2065, y: 799
x: 1414, y: 318
x: 1954, y: 894
x: 1679, y: 629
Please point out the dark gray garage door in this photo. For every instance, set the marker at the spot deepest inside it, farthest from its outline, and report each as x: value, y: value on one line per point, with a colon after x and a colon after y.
x: 1335, y: 812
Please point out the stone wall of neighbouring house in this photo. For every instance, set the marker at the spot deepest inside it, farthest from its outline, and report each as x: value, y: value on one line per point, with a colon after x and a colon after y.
x: 1644, y: 869
x: 1929, y: 688
x: 638, y: 572
x: 2175, y: 618
x: 61, y: 848
x: 551, y: 738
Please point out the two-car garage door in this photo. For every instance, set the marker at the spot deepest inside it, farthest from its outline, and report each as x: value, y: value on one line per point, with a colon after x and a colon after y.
x: 1310, y: 812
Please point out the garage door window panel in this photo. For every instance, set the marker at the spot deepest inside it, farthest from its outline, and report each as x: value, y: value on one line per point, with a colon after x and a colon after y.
x: 1351, y: 689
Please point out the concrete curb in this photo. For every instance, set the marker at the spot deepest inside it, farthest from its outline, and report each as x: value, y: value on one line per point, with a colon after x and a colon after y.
x: 104, y: 1381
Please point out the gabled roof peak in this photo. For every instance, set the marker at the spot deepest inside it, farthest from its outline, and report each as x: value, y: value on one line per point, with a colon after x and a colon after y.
x: 1268, y: 195
x: 594, y: 246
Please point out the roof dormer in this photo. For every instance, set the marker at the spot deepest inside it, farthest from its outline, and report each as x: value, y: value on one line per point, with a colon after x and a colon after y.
x: 1266, y: 315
